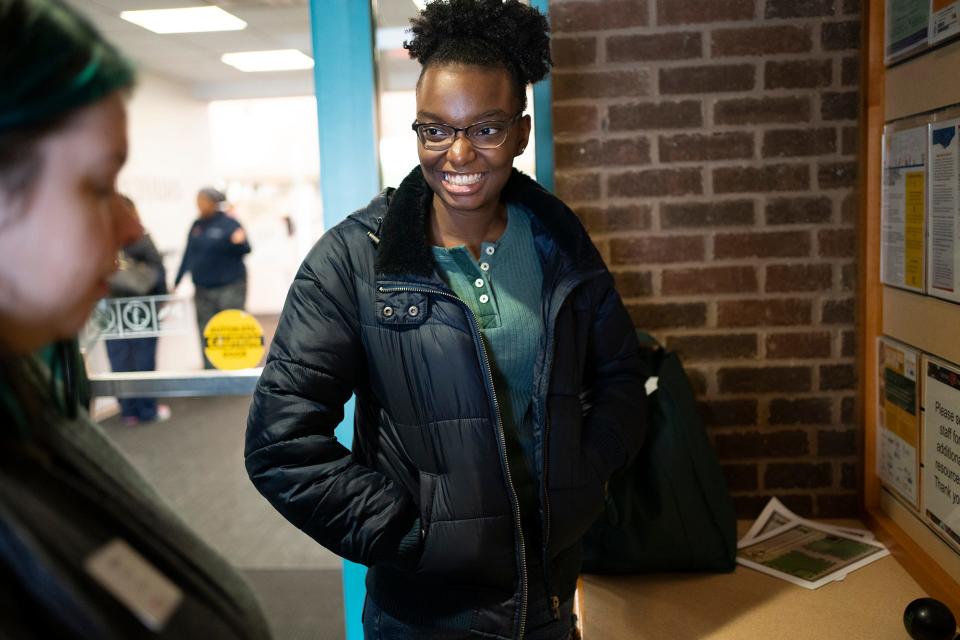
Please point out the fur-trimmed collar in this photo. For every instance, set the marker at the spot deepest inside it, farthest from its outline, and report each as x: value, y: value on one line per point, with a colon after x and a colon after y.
x: 404, y: 246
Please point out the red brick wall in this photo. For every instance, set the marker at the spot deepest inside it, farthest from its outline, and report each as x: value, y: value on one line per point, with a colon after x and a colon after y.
x: 710, y: 148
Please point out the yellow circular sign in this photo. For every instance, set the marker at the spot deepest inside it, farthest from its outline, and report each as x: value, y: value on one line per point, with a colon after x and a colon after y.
x: 233, y: 339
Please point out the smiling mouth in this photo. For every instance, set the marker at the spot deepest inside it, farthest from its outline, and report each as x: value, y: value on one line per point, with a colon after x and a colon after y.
x: 462, y: 179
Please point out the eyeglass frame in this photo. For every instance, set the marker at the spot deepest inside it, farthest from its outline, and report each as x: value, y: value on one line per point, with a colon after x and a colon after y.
x: 509, y: 123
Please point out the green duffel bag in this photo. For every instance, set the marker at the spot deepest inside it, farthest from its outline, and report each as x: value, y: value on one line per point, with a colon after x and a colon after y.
x: 669, y: 510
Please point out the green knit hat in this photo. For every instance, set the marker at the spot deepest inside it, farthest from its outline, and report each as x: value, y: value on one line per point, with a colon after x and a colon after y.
x: 52, y: 61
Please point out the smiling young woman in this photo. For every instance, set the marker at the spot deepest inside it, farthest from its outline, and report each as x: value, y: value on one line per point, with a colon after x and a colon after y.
x: 495, y: 368
x: 87, y: 549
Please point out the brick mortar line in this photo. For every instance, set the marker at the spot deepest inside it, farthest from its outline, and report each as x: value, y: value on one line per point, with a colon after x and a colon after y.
x: 751, y: 296
x: 655, y: 134
x: 732, y: 163
x: 760, y: 21
x: 840, y: 292
x: 774, y: 429
x: 678, y: 199
x: 758, y: 60
x: 762, y: 332
x: 729, y: 230
x: 812, y: 162
x: 734, y: 430
x: 801, y: 293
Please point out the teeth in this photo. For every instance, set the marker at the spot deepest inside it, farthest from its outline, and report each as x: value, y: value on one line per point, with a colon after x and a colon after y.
x: 462, y: 179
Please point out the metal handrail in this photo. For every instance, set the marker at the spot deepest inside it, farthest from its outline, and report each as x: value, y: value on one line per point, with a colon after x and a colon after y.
x: 175, y: 384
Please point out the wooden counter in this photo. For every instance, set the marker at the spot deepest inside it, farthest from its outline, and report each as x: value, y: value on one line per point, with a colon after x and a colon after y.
x: 747, y: 605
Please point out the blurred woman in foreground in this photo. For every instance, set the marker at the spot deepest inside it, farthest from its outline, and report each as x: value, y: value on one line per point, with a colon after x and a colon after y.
x: 87, y: 549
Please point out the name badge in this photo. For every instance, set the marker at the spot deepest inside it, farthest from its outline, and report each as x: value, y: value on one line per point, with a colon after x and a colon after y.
x: 149, y: 595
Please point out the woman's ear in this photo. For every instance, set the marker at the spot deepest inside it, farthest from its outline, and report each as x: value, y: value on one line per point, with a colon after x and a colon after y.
x: 523, y: 126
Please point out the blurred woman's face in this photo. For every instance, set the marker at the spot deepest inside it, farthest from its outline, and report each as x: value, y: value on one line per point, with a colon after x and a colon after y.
x: 206, y: 205
x: 60, y: 242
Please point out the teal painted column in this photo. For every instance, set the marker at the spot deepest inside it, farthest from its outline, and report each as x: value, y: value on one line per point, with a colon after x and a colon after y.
x: 543, y: 108
x: 344, y: 74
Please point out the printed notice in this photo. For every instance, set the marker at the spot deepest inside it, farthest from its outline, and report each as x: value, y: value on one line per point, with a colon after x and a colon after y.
x: 941, y: 449
x: 944, y: 207
x: 233, y: 339
x: 944, y: 19
x: 908, y: 22
x: 903, y: 214
x: 898, y: 432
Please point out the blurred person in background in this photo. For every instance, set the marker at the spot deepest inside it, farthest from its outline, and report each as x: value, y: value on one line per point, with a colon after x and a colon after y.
x: 216, y: 245
x: 87, y: 548
x: 140, y: 273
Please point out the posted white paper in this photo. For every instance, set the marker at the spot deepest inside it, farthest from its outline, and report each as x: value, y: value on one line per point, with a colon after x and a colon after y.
x: 944, y: 19
x: 943, y: 280
x: 941, y: 449
x: 898, y: 414
x: 903, y: 209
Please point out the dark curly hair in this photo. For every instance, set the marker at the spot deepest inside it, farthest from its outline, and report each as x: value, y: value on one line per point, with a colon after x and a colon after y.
x: 485, y: 33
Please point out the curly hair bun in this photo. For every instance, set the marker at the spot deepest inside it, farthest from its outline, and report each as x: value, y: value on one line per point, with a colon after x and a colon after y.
x: 488, y: 33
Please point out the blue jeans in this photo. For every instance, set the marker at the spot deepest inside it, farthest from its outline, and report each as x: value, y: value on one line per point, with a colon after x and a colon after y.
x: 134, y: 354
x: 380, y: 625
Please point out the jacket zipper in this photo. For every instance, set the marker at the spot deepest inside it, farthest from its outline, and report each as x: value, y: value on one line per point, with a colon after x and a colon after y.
x: 546, y: 434
x: 515, y: 501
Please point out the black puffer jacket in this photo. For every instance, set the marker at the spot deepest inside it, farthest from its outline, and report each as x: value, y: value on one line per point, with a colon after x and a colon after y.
x: 428, y: 442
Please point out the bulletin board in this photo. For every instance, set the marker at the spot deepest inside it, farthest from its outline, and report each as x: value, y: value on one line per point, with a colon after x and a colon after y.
x: 909, y: 286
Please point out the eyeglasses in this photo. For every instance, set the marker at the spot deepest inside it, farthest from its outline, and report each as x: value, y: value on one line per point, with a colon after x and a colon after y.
x: 482, y: 135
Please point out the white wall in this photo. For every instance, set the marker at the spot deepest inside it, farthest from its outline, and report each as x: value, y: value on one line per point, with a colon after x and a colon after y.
x: 170, y: 158
x: 266, y: 152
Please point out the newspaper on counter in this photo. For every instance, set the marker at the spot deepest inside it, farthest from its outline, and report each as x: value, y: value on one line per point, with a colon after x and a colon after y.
x: 775, y: 515
x: 803, y: 552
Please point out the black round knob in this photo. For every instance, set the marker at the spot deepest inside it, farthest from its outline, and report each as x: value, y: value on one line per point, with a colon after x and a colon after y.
x: 929, y: 619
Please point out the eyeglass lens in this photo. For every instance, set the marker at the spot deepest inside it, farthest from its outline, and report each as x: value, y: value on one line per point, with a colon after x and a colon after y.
x: 483, y: 135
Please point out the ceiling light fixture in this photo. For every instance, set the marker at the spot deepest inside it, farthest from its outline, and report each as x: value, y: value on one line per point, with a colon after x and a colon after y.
x: 186, y: 20
x: 279, y: 60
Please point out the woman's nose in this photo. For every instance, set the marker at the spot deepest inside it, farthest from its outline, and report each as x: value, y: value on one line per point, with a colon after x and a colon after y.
x: 461, y: 152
